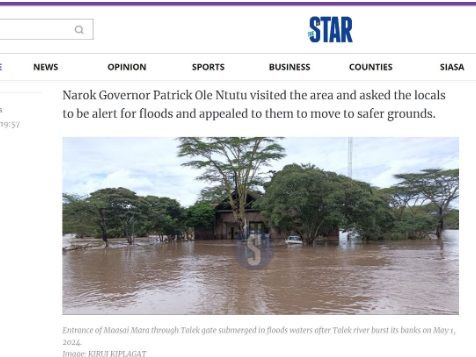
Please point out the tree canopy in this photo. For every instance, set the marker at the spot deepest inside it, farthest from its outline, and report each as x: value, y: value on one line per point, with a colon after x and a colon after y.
x: 435, y: 188
x: 119, y: 212
x: 300, y: 199
x: 200, y: 215
x: 312, y: 202
x: 233, y: 163
x: 308, y: 201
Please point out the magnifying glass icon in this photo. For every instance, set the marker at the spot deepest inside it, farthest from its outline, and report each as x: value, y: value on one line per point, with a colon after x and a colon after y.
x: 79, y: 29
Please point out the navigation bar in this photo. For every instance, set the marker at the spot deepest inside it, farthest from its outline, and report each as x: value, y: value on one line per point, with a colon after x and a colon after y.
x: 297, y: 67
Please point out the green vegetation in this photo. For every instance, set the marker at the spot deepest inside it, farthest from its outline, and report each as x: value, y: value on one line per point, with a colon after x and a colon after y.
x: 434, y: 189
x: 311, y: 202
x: 78, y: 216
x: 299, y: 199
x: 119, y: 212
x: 200, y: 215
x: 232, y: 163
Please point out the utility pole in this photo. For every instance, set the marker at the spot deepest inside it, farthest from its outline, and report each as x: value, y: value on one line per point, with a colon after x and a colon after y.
x: 349, y: 173
x: 349, y: 157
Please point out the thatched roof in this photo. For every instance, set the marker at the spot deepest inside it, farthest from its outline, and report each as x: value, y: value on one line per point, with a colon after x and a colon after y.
x: 251, y: 197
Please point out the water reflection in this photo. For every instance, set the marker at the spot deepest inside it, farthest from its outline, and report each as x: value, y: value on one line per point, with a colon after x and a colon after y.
x: 205, y: 277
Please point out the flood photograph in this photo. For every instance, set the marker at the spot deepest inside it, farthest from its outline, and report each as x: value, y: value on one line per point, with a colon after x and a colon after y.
x: 261, y: 225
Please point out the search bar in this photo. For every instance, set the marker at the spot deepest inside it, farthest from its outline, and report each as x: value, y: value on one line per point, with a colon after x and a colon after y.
x: 46, y: 29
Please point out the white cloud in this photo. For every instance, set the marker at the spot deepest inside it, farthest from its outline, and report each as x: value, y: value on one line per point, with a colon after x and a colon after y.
x: 151, y: 166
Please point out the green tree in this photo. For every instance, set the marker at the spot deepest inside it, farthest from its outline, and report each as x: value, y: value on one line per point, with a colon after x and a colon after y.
x: 200, y: 215
x: 365, y: 210
x: 235, y: 163
x: 118, y: 212
x: 311, y: 202
x: 432, y: 186
x: 302, y: 199
x: 164, y: 216
x: 78, y: 216
x: 452, y: 219
x: 401, y: 199
x: 416, y: 222
x: 213, y: 194
x: 413, y: 219
x: 200, y: 219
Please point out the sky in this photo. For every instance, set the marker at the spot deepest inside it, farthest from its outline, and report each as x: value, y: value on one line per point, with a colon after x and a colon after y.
x: 150, y: 166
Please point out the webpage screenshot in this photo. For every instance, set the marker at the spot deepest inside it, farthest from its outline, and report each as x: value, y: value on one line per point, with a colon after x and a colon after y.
x: 237, y: 178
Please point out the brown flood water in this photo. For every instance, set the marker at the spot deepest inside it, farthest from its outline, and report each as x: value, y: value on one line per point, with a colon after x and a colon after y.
x: 210, y: 277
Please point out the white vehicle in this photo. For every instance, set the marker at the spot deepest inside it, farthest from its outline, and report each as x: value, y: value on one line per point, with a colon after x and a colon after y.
x: 294, y: 240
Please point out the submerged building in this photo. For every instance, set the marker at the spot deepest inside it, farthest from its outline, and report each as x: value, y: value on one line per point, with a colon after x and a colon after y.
x: 226, y: 226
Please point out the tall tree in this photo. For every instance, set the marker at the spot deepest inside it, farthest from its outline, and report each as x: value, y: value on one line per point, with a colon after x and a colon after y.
x: 236, y: 163
x: 213, y: 194
x: 432, y: 186
x: 304, y: 200
x: 365, y: 210
x: 200, y: 215
x: 312, y: 202
x: 118, y: 210
x: 78, y: 216
x: 164, y: 216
